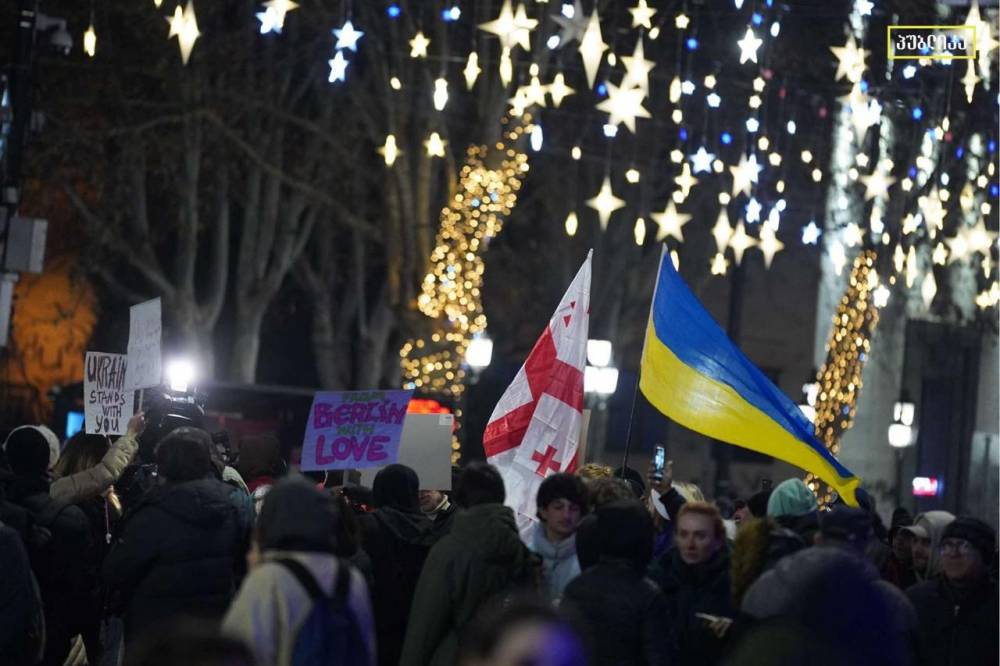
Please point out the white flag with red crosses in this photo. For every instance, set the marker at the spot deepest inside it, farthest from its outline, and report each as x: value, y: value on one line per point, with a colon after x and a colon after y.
x: 535, y: 428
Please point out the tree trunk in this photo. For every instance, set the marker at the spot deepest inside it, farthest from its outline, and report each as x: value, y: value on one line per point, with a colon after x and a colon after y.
x: 376, y: 344
x: 329, y: 358
x: 243, y: 361
x: 193, y: 337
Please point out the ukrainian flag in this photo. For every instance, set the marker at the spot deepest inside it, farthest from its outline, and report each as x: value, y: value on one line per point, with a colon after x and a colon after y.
x: 695, y: 376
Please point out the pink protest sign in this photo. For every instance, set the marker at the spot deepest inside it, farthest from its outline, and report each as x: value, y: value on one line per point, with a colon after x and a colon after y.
x: 354, y: 429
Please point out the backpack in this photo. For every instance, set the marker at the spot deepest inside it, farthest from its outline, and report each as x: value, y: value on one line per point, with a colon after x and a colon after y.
x: 330, y: 635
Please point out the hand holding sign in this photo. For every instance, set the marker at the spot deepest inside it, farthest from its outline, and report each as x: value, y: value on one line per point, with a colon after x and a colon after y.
x: 144, y: 356
x: 107, y: 405
x: 354, y: 429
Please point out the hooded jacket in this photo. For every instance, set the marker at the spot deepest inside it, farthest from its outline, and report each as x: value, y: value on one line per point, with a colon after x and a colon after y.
x: 690, y: 589
x: 479, y: 561
x: 177, y: 553
x: 559, y: 562
x: 933, y: 523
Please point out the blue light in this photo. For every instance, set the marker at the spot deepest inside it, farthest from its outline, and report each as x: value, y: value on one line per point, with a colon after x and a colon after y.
x: 864, y: 86
x: 74, y: 423
x: 393, y: 11
x: 959, y: 152
x: 756, y: 19
x: 862, y: 357
x: 770, y: 3
x: 602, y: 90
x: 726, y: 138
x: 692, y: 43
x: 451, y: 14
x: 918, y: 113
x: 994, y: 190
x: 912, y: 172
x: 683, y: 134
x: 991, y: 146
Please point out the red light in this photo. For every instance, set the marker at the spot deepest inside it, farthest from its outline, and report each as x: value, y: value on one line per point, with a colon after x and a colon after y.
x: 426, y: 406
x: 925, y: 486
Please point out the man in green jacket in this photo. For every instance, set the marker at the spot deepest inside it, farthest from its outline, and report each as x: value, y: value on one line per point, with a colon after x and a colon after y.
x: 481, y: 560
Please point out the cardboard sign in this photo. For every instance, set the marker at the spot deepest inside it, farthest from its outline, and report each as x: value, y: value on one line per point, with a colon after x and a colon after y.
x: 107, y: 406
x: 424, y: 446
x: 145, y: 358
x: 354, y: 429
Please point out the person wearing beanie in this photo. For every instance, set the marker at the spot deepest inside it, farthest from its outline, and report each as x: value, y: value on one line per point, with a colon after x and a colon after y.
x: 957, y: 610
x: 66, y: 565
x: 926, y: 531
x: 179, y: 548
x: 297, y: 523
x: 562, y: 503
x: 625, y: 612
x: 793, y: 505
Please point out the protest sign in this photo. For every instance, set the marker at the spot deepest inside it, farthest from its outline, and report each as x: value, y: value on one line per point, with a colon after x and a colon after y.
x: 354, y: 429
x: 144, y: 369
x: 107, y: 406
x: 425, y: 447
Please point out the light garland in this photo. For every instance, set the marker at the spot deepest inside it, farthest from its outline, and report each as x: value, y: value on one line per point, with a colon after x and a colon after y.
x: 451, y: 293
x: 847, y: 351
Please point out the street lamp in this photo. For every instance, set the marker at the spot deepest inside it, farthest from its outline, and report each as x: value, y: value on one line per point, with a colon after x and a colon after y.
x: 901, y: 429
x: 599, y: 353
x: 480, y: 353
x: 600, y: 381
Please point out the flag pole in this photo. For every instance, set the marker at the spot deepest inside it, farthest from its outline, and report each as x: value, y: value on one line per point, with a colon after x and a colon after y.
x: 635, y: 392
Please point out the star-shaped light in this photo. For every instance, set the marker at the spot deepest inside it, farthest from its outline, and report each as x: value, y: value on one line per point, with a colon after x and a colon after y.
x: 753, y: 210
x: 682, y: 22
x: 184, y: 26
x: 722, y: 232
x: 519, y: 102
x: 671, y: 222
x: 637, y: 69
x: 273, y: 16
x: 571, y: 28
x: 810, y: 233
x: 933, y: 211
x: 969, y: 81
x: 90, y: 41
x: 642, y: 15
x: 472, y: 70
x: 390, y: 151
x: 838, y: 257
x: 740, y: 242
x: 850, y: 60
x: 865, y: 7
x: 958, y: 247
x: 347, y: 36
x: 745, y: 174
x: 928, y: 289
x: 338, y: 67
x: 748, y: 46
x: 910, y: 224
x: 418, y: 46
x: 719, y: 264
x: 605, y: 203
x: 685, y: 181
x: 853, y: 235
x: 513, y: 30
x: 912, y: 267
x: 435, y: 145
x: 534, y: 93
x: 623, y: 106
x: 769, y: 244
x: 592, y: 48
x: 877, y: 183
x: 979, y: 239
x: 558, y: 90
x: 880, y: 296
x: 940, y: 256
x: 701, y: 161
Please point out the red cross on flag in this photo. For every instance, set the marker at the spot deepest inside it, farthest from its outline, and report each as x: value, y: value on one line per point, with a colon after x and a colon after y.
x: 535, y: 428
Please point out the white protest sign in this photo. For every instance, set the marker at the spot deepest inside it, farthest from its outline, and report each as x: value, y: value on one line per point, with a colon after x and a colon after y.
x: 424, y: 446
x: 107, y: 406
x: 145, y: 359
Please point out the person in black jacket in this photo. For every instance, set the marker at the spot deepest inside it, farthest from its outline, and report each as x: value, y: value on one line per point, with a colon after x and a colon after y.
x: 60, y: 546
x: 694, y: 577
x: 957, y: 611
x: 180, y: 545
x: 21, y: 626
x: 397, y: 538
x: 626, y: 612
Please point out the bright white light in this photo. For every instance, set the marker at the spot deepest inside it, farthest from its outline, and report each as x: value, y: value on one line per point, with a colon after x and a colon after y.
x: 775, y: 29
x: 713, y: 100
x: 909, y: 71
x: 881, y: 296
x: 809, y: 411
x: 903, y: 412
x: 790, y: 127
x: 553, y: 42
x: 752, y: 125
x: 568, y: 10
x: 610, y: 131
x: 536, y: 138
x: 599, y: 353
x: 180, y: 374
x: 440, y: 94
x: 781, y: 205
x: 602, y: 381
x: 480, y: 353
x: 687, y: 87
x: 900, y: 436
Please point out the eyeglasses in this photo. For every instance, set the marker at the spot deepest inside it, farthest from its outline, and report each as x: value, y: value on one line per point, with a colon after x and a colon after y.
x: 957, y: 546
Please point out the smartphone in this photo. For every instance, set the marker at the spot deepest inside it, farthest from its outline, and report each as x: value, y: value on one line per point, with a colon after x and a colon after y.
x: 659, y: 461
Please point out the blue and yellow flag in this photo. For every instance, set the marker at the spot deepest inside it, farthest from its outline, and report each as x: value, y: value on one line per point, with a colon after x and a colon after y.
x: 697, y: 377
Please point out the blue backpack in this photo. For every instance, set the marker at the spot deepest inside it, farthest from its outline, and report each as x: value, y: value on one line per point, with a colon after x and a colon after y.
x: 330, y: 636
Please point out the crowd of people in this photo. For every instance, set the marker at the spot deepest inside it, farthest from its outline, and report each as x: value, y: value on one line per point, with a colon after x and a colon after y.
x: 168, y: 554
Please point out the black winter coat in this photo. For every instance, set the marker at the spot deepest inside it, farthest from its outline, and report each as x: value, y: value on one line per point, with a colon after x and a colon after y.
x: 957, y: 627
x: 625, y: 612
x: 177, y: 554
x: 689, y: 589
x: 397, y: 542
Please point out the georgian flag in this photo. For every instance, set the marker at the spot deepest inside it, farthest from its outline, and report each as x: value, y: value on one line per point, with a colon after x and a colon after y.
x: 535, y: 428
